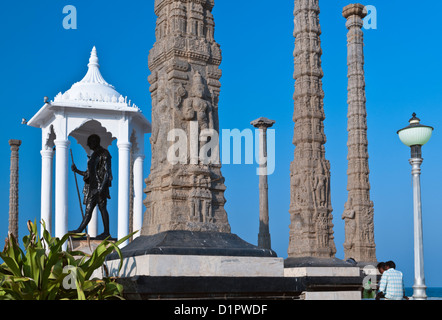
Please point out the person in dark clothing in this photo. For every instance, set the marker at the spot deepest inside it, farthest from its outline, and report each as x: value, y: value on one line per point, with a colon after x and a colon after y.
x: 97, y: 181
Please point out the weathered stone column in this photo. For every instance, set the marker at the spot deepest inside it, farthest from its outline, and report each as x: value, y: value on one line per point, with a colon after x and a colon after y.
x: 358, y: 215
x: 185, y: 195
x: 311, y: 228
x: 264, y: 240
x: 13, y: 188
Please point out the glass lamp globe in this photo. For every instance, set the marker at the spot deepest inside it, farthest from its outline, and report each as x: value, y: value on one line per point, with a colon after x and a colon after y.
x: 415, y: 134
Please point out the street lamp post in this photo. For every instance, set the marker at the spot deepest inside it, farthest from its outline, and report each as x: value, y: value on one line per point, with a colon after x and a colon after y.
x: 415, y: 136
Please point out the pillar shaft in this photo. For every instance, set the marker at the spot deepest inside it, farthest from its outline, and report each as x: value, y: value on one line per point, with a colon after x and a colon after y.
x: 358, y: 214
x: 13, y: 188
x: 311, y: 228
x: 61, y: 187
x: 123, y: 189
x: 185, y: 89
x: 264, y: 239
x: 47, y: 156
x: 138, y: 194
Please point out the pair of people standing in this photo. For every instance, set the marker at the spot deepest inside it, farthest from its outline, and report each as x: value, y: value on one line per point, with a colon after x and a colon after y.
x: 391, y: 286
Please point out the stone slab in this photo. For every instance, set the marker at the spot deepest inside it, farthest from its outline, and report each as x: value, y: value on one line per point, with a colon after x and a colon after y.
x: 84, y: 245
x: 332, y: 295
x: 197, y: 266
x: 322, y: 272
x: 312, y: 262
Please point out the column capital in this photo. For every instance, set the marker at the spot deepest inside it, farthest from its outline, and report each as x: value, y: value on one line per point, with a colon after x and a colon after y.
x: 263, y: 123
x: 47, y: 153
x: 15, y: 143
x: 139, y: 156
x: 355, y: 9
x: 62, y: 143
x: 124, y: 145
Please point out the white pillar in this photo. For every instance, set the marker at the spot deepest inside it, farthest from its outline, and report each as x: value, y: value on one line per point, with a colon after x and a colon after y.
x: 47, y: 156
x: 61, y: 187
x: 138, y: 194
x: 123, y: 190
x: 93, y: 224
x: 419, y: 287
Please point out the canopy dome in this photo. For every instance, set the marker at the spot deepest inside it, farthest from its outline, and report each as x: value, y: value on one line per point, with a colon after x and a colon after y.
x: 92, y: 87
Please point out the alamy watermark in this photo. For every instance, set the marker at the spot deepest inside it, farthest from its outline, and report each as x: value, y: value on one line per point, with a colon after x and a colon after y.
x: 371, y: 20
x: 70, y: 18
x: 70, y: 281
x: 203, y: 147
x: 370, y: 281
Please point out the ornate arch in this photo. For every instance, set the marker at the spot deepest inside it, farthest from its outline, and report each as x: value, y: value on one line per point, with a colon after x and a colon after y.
x: 89, y: 127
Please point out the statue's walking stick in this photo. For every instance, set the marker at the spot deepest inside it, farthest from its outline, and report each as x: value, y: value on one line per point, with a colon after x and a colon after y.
x: 78, y: 190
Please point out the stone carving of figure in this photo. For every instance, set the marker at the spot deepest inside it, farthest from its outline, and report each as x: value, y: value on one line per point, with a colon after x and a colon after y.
x: 200, y: 200
x: 199, y: 104
x: 349, y: 216
x: 160, y: 131
x: 97, y: 181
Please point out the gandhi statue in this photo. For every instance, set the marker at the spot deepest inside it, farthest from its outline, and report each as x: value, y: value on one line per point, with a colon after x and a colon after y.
x: 97, y: 180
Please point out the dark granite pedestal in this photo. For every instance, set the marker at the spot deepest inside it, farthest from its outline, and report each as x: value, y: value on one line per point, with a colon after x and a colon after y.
x: 193, y: 243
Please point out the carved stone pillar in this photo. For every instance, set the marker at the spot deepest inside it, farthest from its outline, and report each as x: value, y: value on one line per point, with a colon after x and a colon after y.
x: 13, y: 188
x: 311, y: 228
x: 358, y: 215
x: 184, y: 64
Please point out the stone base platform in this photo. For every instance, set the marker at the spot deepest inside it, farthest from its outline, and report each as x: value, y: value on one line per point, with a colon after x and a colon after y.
x: 197, y: 266
x: 195, y: 254
x: 334, y: 271
x: 85, y: 245
x: 193, y: 243
x: 208, y: 266
x: 317, y: 267
x: 243, y: 288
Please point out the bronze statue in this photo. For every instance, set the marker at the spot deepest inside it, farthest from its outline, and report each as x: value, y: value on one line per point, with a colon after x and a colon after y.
x: 97, y: 181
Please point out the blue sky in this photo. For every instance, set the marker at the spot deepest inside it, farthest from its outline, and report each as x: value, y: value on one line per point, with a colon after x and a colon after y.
x: 38, y: 58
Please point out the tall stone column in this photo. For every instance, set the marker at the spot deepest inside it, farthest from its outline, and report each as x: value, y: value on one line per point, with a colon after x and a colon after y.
x: 13, y: 188
x: 311, y: 228
x: 264, y: 240
x: 185, y: 86
x: 358, y: 215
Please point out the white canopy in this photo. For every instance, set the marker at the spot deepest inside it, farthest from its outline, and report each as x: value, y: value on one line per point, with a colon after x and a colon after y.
x: 91, y: 106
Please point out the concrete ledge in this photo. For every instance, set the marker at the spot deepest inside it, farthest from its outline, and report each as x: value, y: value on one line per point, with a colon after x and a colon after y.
x: 322, y: 272
x: 333, y: 295
x: 197, y: 266
x: 317, y: 262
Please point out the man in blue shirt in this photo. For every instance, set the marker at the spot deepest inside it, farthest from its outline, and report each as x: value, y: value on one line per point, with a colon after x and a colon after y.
x: 392, y: 283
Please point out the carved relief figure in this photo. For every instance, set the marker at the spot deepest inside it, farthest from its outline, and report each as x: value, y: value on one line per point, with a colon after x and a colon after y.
x: 160, y: 128
x: 199, y: 104
x: 349, y: 216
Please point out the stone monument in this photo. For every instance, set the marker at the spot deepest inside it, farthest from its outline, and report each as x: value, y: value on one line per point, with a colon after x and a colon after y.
x: 13, y: 188
x: 358, y: 215
x: 264, y: 240
x: 186, y: 249
x: 185, y: 221
x: 185, y: 87
x: 311, y: 228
